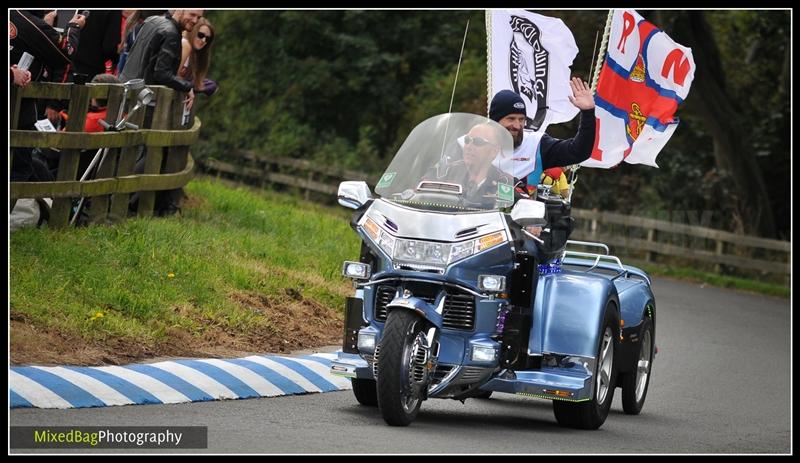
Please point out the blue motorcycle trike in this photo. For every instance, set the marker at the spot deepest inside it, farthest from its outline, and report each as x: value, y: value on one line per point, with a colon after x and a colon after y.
x: 457, y: 297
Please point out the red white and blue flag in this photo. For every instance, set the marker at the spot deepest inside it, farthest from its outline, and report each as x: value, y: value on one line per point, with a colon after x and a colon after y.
x: 645, y: 77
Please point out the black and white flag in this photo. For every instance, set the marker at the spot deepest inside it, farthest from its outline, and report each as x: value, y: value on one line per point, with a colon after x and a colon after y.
x: 531, y: 55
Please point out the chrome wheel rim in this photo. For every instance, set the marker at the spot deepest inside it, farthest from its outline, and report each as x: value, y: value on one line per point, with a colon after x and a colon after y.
x: 606, y: 364
x: 643, y: 366
x: 411, y: 389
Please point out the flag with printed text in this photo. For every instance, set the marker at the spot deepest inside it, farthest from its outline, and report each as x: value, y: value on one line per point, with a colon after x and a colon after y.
x: 644, y: 78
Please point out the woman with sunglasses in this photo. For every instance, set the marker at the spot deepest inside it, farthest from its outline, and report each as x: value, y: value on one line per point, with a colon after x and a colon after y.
x: 196, y: 57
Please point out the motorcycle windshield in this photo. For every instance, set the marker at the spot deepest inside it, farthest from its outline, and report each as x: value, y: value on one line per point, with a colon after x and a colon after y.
x: 454, y: 162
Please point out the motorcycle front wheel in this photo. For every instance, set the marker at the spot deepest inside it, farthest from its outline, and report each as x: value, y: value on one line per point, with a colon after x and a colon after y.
x: 401, y: 374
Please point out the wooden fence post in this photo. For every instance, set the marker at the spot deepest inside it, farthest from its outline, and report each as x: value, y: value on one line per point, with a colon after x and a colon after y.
x: 98, y: 210
x: 155, y: 154
x: 69, y: 160
x: 719, y: 251
x: 650, y: 256
x: 125, y: 166
x: 178, y: 156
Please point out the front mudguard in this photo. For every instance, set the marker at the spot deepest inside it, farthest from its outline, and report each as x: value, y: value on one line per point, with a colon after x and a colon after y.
x: 415, y: 304
x: 568, y: 313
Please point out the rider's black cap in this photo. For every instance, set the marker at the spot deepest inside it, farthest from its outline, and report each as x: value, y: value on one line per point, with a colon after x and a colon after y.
x: 505, y: 102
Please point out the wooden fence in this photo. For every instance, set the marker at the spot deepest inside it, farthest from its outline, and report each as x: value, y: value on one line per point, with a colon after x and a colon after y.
x: 166, y: 139
x: 639, y: 239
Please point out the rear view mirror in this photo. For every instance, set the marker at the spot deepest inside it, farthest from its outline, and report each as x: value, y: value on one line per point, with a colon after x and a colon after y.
x: 353, y: 194
x: 529, y: 212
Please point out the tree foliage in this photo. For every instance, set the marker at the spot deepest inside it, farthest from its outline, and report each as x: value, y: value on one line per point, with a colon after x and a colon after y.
x: 346, y: 87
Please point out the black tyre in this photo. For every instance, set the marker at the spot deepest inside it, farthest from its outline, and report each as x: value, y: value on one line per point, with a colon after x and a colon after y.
x: 400, y: 380
x: 636, y: 381
x: 366, y: 391
x: 592, y: 414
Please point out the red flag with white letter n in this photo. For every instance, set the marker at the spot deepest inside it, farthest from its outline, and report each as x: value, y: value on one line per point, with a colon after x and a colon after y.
x: 645, y: 77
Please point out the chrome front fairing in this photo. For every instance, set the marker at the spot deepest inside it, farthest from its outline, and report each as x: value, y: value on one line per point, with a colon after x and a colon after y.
x: 433, y: 226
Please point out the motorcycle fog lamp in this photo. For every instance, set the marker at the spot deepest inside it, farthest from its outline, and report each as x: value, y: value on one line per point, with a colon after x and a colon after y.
x: 356, y: 270
x: 483, y: 354
x: 366, y: 342
x: 494, y: 283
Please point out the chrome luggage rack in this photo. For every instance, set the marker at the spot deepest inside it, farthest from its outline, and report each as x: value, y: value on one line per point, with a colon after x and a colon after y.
x: 607, y: 258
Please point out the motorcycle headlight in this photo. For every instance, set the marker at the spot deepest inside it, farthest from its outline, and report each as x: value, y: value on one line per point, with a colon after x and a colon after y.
x: 461, y: 250
x: 366, y: 342
x: 356, y: 270
x: 428, y: 252
x: 423, y: 252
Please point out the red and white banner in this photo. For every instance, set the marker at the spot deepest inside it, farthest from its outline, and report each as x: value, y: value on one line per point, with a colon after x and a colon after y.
x: 645, y: 77
x: 531, y: 55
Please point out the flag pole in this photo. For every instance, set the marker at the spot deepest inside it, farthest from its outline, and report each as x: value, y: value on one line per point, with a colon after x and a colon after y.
x: 595, y: 75
x: 452, y: 95
x: 488, y: 21
x: 594, y: 51
x: 458, y: 68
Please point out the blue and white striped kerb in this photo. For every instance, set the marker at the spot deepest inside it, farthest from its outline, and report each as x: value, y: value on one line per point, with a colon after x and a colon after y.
x: 172, y: 382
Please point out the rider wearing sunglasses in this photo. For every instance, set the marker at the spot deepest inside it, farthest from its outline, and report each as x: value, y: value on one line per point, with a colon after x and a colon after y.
x: 474, y: 171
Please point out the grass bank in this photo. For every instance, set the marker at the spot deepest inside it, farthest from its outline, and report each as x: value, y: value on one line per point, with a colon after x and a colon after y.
x: 238, y: 271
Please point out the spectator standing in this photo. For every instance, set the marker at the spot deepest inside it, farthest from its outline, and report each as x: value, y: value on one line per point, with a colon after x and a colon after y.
x: 99, y: 41
x: 156, y: 52
x: 133, y: 23
x: 32, y: 32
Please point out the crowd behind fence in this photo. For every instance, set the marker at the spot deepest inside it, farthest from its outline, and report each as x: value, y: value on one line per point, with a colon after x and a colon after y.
x: 165, y: 140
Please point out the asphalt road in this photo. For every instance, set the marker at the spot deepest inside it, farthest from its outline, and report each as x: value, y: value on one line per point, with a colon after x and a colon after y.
x: 721, y: 384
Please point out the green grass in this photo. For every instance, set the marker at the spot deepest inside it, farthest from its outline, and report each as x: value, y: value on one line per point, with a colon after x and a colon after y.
x: 724, y: 281
x: 144, y: 278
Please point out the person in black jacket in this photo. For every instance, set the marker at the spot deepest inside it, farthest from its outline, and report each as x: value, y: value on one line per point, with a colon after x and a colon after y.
x: 99, y: 40
x: 52, y: 54
x: 479, y: 179
x: 29, y: 32
x: 156, y: 53
x: 534, y: 152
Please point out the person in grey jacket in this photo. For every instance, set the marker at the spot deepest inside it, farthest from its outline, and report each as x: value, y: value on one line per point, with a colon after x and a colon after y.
x: 156, y: 53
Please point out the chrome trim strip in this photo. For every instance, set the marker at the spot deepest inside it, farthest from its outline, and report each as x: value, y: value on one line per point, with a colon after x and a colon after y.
x: 422, y: 280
